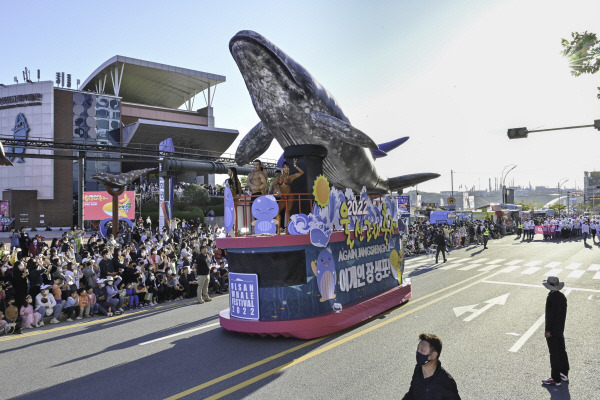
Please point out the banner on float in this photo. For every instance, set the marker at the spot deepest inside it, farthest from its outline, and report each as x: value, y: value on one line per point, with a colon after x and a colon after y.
x: 404, y: 206
x: 243, y: 296
x: 98, y: 205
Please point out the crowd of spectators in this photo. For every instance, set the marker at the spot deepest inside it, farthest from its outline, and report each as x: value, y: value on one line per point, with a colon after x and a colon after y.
x: 73, y: 278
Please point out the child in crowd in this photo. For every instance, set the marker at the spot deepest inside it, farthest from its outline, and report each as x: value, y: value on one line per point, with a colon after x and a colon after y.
x: 123, y: 295
x: 92, y: 301
x: 72, y: 306
x: 31, y: 318
x: 3, y: 323
x: 134, y: 300
x: 12, y: 316
x: 84, y: 304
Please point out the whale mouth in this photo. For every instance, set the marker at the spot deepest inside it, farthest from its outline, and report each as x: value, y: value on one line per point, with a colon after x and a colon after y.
x: 244, y: 41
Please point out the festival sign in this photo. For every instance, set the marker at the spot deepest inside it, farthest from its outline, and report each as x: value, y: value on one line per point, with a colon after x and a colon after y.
x: 404, y: 206
x: 98, y: 205
x: 243, y: 296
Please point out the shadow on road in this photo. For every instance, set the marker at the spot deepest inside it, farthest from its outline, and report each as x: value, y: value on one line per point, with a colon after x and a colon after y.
x: 558, y: 393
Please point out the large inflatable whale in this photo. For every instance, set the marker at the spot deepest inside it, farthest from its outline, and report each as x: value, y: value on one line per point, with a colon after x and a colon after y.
x: 295, y: 109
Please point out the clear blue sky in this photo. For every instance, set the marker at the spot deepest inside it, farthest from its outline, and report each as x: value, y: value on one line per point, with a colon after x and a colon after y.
x: 452, y: 75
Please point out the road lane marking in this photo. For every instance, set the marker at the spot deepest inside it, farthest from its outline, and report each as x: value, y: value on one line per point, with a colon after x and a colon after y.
x: 554, y: 272
x: 478, y: 260
x: 489, y: 268
x: 574, y: 266
x: 514, y: 262
x: 179, y: 334
x: 540, y: 286
x: 576, y: 274
x: 552, y: 264
x: 597, y: 276
x: 326, y: 348
x: 497, y: 261
x: 450, y: 266
x: 470, y: 266
x: 594, y: 267
x: 530, y: 270
x: 519, y: 343
x: 510, y: 269
x: 533, y: 263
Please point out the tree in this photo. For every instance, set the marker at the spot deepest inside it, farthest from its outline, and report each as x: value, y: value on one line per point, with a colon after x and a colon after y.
x: 196, y: 195
x: 531, y: 205
x: 583, y: 52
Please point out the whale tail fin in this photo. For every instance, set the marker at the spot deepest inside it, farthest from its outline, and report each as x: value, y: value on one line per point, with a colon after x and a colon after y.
x: 384, y: 148
x: 404, y: 181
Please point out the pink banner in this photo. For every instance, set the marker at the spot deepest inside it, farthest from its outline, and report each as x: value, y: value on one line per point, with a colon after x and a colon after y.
x: 545, y: 230
x: 98, y: 205
x: 4, y: 208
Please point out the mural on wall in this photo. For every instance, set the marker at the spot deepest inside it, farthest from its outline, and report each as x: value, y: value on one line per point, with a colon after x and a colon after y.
x: 95, y: 116
x: 20, y: 133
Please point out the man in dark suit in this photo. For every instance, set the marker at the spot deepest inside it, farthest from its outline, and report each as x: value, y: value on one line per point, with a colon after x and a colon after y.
x: 440, y: 240
x: 556, y: 315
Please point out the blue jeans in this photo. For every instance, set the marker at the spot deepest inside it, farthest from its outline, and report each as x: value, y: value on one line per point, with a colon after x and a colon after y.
x: 55, y: 312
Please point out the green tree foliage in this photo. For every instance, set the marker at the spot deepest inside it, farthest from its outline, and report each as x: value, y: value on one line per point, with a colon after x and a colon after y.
x: 530, y: 205
x: 557, y: 208
x: 196, y: 195
x: 583, y: 52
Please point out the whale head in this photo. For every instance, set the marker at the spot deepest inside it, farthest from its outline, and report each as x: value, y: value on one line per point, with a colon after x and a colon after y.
x: 275, y: 81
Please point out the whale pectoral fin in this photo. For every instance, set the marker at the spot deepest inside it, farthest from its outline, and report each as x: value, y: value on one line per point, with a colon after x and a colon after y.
x: 313, y: 266
x: 404, y: 181
x: 378, y: 153
x: 254, y: 144
x: 328, y: 126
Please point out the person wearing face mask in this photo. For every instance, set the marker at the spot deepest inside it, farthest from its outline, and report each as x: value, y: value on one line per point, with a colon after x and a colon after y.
x: 430, y: 380
x: 46, y: 305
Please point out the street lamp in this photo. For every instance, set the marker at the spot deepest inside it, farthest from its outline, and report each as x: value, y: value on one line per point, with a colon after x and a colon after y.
x: 559, y: 185
x: 504, y: 196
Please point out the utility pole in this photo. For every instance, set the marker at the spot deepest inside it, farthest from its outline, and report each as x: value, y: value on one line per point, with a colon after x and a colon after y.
x: 452, y: 182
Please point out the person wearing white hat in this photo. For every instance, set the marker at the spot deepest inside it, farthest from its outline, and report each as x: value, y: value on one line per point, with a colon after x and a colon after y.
x: 556, y: 315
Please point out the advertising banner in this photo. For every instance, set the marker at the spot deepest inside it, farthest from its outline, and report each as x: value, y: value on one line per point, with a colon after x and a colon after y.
x: 98, y: 205
x: 545, y: 230
x: 243, y: 296
x: 404, y: 206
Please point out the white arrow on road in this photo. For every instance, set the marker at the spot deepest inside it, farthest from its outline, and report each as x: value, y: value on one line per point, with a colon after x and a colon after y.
x: 500, y: 300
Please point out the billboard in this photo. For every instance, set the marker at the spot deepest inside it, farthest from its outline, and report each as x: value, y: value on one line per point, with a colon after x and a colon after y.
x: 98, y: 205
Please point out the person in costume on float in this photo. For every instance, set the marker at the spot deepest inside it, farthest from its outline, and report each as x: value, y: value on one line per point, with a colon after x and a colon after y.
x: 233, y: 182
x: 284, y: 181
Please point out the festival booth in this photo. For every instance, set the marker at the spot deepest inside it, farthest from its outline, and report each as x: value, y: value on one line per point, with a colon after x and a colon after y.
x: 340, y: 264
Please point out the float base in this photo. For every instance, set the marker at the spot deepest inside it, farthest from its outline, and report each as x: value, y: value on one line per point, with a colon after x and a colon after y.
x: 322, y: 325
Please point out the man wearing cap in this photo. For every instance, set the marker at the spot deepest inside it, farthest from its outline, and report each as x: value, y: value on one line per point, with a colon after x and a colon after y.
x: 556, y: 315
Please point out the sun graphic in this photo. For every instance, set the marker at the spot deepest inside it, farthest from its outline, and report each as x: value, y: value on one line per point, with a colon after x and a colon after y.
x: 321, y: 191
x: 395, y: 261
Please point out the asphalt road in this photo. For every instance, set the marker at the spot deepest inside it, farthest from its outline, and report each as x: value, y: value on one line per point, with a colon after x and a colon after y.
x: 487, y: 305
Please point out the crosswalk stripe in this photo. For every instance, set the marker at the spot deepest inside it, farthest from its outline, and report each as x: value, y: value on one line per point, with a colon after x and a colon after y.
x: 450, y: 266
x: 514, y: 262
x: 470, y: 266
x: 530, y: 270
x: 594, y: 267
x: 576, y: 274
x: 511, y: 268
x: 498, y: 261
x: 574, y: 266
x: 552, y: 264
x: 597, y: 276
x: 533, y: 263
x: 479, y: 260
x: 489, y: 267
x: 554, y: 272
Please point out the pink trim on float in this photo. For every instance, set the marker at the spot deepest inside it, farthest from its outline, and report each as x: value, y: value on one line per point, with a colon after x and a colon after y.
x: 310, y: 328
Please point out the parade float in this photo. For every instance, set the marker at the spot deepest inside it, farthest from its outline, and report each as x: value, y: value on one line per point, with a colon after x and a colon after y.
x: 341, y: 257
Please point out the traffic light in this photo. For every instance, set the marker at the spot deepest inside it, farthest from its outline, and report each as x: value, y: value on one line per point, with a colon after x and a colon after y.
x: 597, y: 124
x: 517, y: 133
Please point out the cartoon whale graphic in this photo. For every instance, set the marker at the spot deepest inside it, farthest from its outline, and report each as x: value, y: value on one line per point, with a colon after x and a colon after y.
x: 296, y: 109
x: 324, y: 270
x: 20, y: 133
x: 124, y: 207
